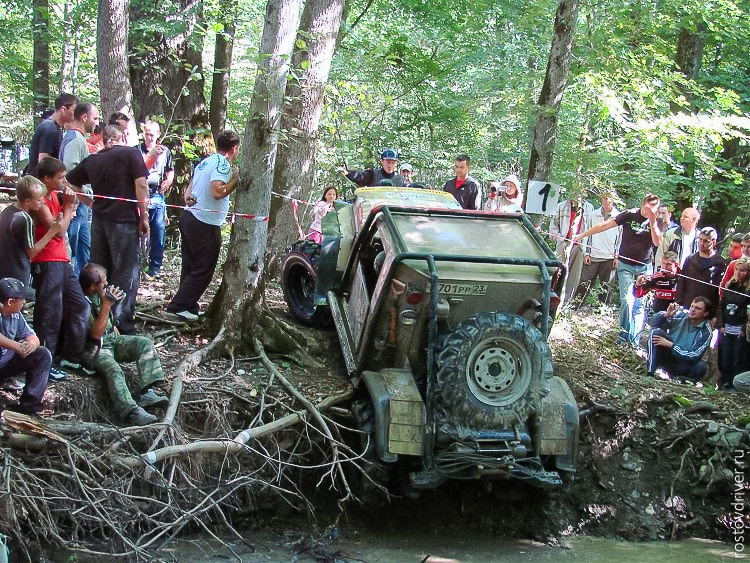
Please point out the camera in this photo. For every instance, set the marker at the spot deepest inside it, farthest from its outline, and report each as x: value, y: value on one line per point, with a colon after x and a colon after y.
x: 111, y: 297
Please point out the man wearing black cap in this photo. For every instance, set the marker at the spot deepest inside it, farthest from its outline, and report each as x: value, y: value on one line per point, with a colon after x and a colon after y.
x: 385, y: 175
x: 20, y: 351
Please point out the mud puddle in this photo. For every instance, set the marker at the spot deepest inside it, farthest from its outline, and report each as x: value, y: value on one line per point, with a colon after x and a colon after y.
x: 379, y: 549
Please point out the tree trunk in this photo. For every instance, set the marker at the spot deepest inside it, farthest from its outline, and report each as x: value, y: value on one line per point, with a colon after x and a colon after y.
x: 222, y: 70
x: 544, y: 135
x: 688, y: 59
x: 40, y: 69
x: 172, y: 63
x: 295, y: 162
x: 243, y: 268
x: 67, y: 81
x: 112, y: 60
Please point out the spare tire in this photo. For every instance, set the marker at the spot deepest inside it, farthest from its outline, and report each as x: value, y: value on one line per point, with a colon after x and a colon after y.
x: 298, y: 274
x: 493, y: 371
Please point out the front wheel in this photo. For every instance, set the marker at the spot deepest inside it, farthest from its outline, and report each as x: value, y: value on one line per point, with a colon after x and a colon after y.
x: 493, y: 371
x: 298, y: 275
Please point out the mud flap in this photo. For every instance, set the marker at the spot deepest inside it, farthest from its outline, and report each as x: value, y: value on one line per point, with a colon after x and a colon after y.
x: 558, y: 426
x: 399, y: 413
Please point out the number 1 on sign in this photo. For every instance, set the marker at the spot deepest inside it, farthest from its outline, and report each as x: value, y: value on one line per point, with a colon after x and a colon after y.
x: 544, y: 192
x: 542, y: 197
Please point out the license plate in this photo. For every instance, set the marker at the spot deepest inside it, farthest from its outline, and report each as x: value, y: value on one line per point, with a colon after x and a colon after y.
x: 462, y: 288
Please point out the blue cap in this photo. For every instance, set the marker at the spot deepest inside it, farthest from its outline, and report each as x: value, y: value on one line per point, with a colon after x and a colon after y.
x: 11, y: 288
x: 389, y: 154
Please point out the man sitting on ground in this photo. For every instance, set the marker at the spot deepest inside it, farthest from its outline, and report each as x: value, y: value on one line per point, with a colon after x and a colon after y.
x: 116, y: 348
x: 679, y: 339
x: 20, y: 351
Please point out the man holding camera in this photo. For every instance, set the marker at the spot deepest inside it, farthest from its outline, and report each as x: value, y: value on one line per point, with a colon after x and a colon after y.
x: 60, y: 308
x: 158, y: 159
x: 106, y: 348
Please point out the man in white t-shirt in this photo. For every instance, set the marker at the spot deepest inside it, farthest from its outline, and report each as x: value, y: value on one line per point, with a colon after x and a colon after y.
x: 208, y: 197
x: 600, y: 250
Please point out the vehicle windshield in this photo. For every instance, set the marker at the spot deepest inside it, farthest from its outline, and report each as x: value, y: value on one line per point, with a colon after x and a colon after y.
x: 468, y: 236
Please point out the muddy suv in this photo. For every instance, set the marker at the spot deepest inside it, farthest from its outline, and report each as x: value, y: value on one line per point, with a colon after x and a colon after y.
x: 442, y: 315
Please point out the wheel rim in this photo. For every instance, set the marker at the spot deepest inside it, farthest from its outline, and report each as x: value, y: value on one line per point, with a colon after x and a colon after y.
x: 498, y: 371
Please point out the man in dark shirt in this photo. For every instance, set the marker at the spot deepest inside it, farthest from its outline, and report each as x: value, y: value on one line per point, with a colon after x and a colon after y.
x: 703, y: 271
x: 372, y: 177
x: 466, y: 190
x: 48, y: 135
x: 118, y: 171
x: 640, y: 234
x: 17, y: 245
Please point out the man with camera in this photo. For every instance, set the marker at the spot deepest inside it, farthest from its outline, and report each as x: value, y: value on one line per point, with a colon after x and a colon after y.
x: 106, y: 349
x: 60, y: 308
x: 158, y: 159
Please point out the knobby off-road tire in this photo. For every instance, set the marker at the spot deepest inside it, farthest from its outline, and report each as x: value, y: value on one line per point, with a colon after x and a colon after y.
x: 298, y: 274
x: 493, y: 371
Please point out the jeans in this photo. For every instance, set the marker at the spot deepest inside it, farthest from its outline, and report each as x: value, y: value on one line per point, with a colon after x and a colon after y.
x: 36, y: 367
x: 631, y: 307
x: 61, y: 312
x: 156, y: 220
x: 662, y: 357
x: 115, y: 247
x: 731, y: 356
x: 79, y: 235
x: 201, y: 244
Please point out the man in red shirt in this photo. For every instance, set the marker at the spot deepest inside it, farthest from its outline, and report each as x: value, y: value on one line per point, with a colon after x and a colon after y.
x: 61, y: 311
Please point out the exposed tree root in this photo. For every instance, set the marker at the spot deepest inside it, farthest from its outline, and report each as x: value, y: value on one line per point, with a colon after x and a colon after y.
x: 123, y: 492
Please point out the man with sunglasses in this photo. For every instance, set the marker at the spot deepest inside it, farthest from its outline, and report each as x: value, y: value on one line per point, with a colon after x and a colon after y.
x: 703, y: 271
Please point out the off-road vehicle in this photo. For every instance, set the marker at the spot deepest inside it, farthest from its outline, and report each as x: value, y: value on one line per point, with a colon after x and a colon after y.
x: 442, y: 315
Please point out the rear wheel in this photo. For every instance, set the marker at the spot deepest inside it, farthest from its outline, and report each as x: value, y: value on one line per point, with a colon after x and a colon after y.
x: 493, y: 370
x: 298, y: 274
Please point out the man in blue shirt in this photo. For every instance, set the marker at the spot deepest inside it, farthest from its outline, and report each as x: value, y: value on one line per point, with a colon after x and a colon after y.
x: 20, y: 351
x: 200, y: 225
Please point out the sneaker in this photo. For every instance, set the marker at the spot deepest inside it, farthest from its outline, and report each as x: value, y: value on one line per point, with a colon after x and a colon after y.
x: 12, y: 384
x: 65, y: 364
x: 186, y: 316
x: 57, y: 374
x: 139, y: 417
x: 152, y: 399
x: 76, y: 367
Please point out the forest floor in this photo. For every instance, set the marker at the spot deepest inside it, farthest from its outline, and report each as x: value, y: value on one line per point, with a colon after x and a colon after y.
x: 657, y: 460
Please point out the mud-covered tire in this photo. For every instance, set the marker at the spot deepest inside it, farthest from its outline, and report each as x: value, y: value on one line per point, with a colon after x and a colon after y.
x: 493, y: 370
x: 371, y: 481
x: 299, y: 270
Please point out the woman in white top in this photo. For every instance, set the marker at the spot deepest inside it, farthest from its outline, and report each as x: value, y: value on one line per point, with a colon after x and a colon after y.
x: 319, y: 210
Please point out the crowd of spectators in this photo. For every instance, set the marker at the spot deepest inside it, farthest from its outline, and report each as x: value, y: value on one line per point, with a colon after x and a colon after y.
x: 71, y: 243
